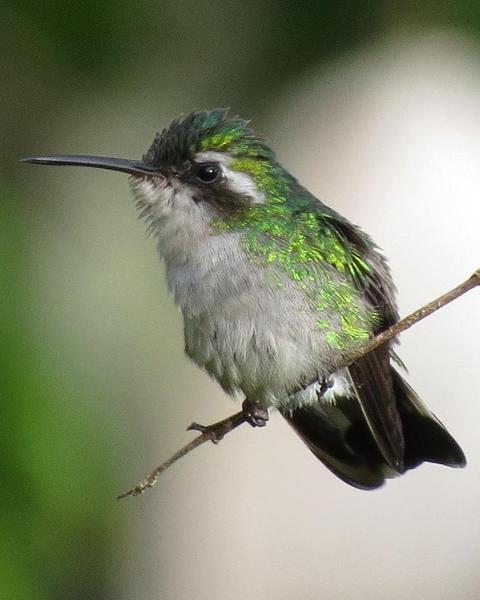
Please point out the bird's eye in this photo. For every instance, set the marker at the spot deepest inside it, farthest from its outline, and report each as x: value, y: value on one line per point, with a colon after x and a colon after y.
x: 207, y: 173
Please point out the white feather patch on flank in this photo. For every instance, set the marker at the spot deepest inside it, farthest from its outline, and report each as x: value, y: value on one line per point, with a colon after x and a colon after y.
x: 237, y: 181
x: 341, y: 388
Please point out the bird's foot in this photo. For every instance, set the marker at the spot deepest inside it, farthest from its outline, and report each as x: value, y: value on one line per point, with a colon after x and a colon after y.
x: 254, y: 414
x: 325, y: 384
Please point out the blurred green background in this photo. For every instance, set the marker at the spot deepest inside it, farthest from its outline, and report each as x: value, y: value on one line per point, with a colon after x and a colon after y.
x: 94, y: 386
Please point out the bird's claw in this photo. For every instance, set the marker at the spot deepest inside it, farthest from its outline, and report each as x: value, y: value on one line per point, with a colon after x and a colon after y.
x: 325, y: 384
x: 254, y: 414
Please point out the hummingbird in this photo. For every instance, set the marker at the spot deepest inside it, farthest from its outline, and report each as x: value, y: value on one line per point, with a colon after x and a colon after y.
x: 276, y: 290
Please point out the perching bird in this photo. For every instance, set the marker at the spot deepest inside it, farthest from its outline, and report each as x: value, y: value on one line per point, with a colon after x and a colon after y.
x: 276, y: 290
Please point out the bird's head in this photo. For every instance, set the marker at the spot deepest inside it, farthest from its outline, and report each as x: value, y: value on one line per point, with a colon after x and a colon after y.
x: 204, y: 166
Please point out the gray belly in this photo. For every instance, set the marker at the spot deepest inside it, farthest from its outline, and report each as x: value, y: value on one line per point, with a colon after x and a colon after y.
x: 263, y: 346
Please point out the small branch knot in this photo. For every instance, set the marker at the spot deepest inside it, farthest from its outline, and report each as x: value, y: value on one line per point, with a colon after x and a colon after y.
x: 211, y: 432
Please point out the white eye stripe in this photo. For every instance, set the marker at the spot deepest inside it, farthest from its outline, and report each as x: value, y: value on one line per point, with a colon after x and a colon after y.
x: 241, y: 183
x: 237, y: 181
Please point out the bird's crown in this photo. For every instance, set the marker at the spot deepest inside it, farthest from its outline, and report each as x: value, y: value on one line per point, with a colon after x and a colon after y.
x: 205, y: 131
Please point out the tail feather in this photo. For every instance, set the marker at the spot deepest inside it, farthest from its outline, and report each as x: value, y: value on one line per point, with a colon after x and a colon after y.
x: 338, y: 434
x: 426, y: 439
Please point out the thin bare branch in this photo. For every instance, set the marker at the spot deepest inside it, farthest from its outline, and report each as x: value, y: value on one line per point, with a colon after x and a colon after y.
x: 217, y: 431
x: 211, y: 433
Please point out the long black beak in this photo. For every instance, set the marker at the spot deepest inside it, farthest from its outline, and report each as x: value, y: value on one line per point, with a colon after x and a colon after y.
x: 133, y: 167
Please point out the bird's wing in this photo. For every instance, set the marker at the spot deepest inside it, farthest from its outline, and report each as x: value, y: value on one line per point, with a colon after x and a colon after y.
x: 371, y: 374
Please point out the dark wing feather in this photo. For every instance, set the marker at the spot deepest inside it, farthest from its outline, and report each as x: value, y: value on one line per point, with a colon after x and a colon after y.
x: 372, y: 379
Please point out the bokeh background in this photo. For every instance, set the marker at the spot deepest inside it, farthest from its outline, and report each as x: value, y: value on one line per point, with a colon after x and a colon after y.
x: 375, y: 106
